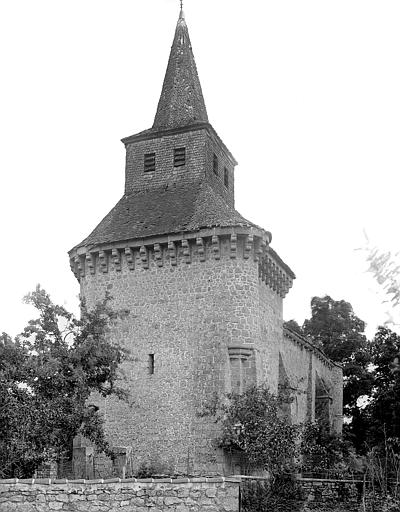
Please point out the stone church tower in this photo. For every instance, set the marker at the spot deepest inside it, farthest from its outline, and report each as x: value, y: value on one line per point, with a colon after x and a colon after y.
x: 203, y: 287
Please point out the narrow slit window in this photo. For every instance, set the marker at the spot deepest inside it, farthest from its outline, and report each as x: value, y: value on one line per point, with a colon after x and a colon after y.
x: 179, y: 157
x: 226, y: 177
x: 151, y: 364
x: 215, y: 164
x: 149, y: 162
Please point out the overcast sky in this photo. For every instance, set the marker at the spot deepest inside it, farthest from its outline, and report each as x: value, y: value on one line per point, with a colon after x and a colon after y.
x: 304, y: 93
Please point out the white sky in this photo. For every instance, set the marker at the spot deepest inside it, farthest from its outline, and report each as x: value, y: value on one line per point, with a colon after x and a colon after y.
x: 306, y: 94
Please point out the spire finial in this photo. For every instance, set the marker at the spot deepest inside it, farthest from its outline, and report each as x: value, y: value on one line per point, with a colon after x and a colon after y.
x: 181, y: 14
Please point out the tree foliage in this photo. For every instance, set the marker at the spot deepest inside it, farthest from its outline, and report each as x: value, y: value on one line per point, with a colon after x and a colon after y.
x: 335, y: 329
x: 253, y: 423
x: 383, y: 411
x: 47, y: 375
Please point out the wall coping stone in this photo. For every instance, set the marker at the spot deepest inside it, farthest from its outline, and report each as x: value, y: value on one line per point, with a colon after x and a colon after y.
x: 65, y: 481
x: 305, y: 480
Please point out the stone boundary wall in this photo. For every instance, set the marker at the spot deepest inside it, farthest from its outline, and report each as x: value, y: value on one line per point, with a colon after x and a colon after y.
x: 344, y: 493
x: 323, y: 495
x: 130, y: 495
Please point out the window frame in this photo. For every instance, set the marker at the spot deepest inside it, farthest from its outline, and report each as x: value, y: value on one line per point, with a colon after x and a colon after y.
x: 149, y: 162
x: 179, y: 157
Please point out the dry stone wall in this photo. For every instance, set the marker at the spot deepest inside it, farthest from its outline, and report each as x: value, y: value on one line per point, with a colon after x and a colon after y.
x: 195, y: 495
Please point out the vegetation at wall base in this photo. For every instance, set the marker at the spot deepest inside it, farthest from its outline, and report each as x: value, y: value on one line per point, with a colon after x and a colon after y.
x: 283, y: 494
x: 47, y: 375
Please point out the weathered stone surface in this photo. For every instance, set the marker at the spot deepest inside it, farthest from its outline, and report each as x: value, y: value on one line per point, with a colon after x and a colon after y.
x: 175, y: 497
x: 203, y: 290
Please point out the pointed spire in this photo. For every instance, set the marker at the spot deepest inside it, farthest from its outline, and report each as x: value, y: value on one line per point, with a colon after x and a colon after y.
x: 181, y: 102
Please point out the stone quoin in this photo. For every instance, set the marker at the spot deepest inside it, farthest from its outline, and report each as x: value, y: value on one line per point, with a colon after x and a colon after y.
x: 203, y: 287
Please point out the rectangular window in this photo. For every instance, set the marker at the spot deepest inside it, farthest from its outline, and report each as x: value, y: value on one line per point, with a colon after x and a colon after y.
x: 215, y: 164
x: 179, y: 157
x: 226, y: 177
x: 151, y: 364
x: 149, y: 162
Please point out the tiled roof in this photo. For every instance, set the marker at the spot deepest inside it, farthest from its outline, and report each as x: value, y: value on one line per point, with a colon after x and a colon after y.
x: 186, y: 207
x: 181, y: 102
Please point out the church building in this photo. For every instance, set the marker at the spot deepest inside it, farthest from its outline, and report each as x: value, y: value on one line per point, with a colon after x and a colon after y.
x: 203, y: 287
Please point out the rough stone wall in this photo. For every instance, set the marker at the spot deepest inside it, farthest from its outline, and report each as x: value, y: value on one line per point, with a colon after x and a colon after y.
x: 200, y: 146
x: 212, y: 495
x: 315, y: 495
x: 186, y: 316
x: 224, y: 161
x: 304, y: 367
x: 196, y: 327
x: 269, y: 320
x: 137, y: 180
x: 346, y: 494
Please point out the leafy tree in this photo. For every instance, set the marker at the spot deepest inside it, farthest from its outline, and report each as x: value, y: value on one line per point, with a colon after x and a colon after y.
x: 47, y: 375
x: 293, y: 326
x: 323, y: 452
x: 383, y: 412
x: 335, y: 328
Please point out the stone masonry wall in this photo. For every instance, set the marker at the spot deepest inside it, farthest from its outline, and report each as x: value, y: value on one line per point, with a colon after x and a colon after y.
x: 209, y: 495
x: 165, y: 174
x: 185, y: 316
x: 200, y: 148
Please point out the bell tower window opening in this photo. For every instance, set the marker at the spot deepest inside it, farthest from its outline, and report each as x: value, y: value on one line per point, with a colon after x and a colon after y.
x: 215, y: 164
x: 179, y: 157
x: 226, y: 177
x: 149, y: 162
x: 151, y: 364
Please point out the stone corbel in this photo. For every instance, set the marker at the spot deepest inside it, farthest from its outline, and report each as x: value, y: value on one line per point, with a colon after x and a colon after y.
x: 158, y: 255
x: 103, y: 261
x: 186, y: 251
x: 80, y: 265
x: 129, y: 255
x: 258, y: 253
x: 201, y: 249
x: 144, y: 257
x: 233, y: 251
x: 90, y: 263
x: 116, y: 257
x: 172, y: 253
x: 73, y: 268
x: 248, y: 246
x: 215, y: 247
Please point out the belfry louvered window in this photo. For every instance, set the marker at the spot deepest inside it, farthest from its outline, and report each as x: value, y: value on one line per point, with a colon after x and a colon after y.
x: 149, y: 162
x: 179, y: 157
x: 226, y: 177
x: 215, y: 164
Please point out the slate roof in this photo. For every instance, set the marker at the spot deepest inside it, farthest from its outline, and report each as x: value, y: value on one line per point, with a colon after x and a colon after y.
x: 181, y: 102
x: 183, y: 208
